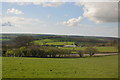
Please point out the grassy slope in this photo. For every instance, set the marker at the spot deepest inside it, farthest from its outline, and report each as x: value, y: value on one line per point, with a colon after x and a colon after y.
x: 97, y: 67
x: 100, y: 49
x: 4, y: 39
x: 0, y: 67
x: 61, y: 43
x: 51, y: 42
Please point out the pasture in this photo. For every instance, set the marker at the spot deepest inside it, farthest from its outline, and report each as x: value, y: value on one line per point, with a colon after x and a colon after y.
x: 51, y: 42
x: 90, y: 67
x: 100, y: 49
x: 4, y: 39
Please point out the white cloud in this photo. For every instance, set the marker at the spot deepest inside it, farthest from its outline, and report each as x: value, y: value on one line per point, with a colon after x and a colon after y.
x: 73, y: 21
x: 44, y: 4
x: 59, y: 0
x: 14, y: 11
x: 19, y: 21
x: 22, y: 24
x: 48, y: 4
x: 101, y: 12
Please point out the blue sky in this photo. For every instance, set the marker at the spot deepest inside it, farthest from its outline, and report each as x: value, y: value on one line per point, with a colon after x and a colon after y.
x: 63, y: 19
x: 36, y: 11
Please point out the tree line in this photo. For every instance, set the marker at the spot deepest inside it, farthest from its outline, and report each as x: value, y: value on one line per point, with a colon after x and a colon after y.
x: 45, y: 52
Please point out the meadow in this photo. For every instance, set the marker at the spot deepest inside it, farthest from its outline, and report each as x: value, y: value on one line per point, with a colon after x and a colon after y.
x: 106, y: 49
x: 89, y: 67
x: 4, y: 39
x: 51, y: 42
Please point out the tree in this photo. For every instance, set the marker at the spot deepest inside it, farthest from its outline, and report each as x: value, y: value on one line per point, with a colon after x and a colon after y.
x: 23, y: 51
x: 23, y: 40
x: 81, y: 53
x: 10, y: 52
x: 13, y: 53
x: 91, y: 51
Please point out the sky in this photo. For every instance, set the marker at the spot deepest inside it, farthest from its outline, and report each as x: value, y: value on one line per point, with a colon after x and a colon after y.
x: 60, y: 18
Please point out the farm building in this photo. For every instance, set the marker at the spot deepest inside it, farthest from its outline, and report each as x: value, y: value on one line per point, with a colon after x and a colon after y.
x: 54, y: 45
x: 69, y: 45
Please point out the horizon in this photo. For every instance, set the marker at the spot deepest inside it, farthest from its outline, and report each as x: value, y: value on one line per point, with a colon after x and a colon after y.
x: 58, y: 34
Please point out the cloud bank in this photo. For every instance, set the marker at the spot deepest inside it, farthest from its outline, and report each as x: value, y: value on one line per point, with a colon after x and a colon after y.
x: 43, y: 4
x: 100, y: 12
x: 18, y: 21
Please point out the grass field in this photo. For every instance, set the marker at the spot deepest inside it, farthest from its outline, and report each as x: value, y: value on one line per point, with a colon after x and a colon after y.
x: 4, y: 39
x: 61, y: 43
x: 90, y: 67
x: 100, y: 49
x: 51, y: 42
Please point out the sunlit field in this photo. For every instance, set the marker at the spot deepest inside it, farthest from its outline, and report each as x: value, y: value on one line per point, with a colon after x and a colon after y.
x: 89, y: 67
x: 100, y: 49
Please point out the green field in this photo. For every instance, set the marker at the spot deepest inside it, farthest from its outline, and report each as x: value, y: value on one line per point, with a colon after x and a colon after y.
x: 61, y: 43
x: 4, y: 39
x: 90, y: 67
x: 51, y: 42
x: 100, y: 49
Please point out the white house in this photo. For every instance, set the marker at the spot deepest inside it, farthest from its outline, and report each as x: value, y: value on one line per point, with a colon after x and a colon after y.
x: 69, y: 45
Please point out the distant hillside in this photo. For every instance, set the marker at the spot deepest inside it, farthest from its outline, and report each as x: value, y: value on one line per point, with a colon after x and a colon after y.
x: 79, y: 40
